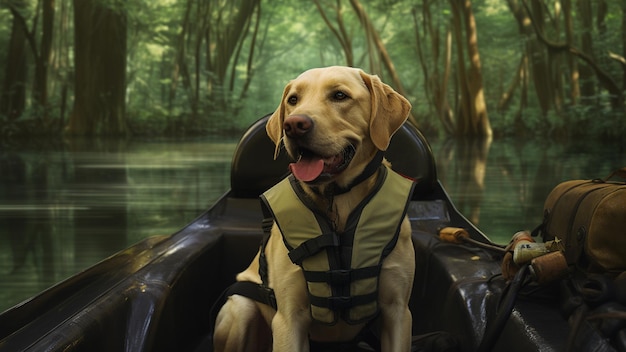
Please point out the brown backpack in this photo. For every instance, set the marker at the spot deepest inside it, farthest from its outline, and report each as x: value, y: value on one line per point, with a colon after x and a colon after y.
x: 589, y: 217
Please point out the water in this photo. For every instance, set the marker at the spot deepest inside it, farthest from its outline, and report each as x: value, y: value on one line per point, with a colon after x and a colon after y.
x: 64, y: 208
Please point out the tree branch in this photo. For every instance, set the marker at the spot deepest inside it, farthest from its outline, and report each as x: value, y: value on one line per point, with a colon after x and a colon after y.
x: 618, y: 58
x: 24, y: 25
x: 604, y: 78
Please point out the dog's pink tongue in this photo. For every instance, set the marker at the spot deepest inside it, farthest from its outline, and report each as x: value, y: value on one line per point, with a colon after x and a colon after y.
x: 307, y: 169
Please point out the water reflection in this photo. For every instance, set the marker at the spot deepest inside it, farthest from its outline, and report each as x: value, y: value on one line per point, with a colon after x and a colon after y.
x: 63, y: 209
x: 502, y: 186
x: 461, y: 165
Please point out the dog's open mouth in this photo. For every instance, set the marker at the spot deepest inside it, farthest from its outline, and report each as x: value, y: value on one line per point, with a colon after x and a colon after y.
x: 311, y: 167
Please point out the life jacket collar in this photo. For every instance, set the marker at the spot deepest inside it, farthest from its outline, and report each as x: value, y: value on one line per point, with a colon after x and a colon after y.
x: 369, y: 170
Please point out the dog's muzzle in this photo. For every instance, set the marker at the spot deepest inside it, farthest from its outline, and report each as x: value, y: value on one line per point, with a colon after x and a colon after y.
x: 314, y: 168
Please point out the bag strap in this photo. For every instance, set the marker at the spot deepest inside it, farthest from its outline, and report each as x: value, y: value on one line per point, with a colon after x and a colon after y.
x: 621, y: 173
x: 618, y: 173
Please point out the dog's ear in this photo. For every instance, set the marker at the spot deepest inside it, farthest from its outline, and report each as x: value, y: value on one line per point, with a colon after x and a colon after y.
x: 389, y: 110
x: 274, y: 125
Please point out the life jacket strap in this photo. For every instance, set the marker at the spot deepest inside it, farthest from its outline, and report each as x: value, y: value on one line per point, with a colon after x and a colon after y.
x: 252, y: 290
x: 259, y: 292
x: 266, y: 224
x: 341, y: 277
x: 313, y: 246
x: 340, y: 303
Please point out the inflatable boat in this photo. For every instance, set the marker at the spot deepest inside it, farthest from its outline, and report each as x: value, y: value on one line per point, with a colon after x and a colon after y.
x: 159, y: 294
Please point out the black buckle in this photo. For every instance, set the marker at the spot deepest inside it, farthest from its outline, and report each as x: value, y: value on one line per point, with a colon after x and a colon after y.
x: 339, y: 277
x: 339, y: 303
x: 268, y: 296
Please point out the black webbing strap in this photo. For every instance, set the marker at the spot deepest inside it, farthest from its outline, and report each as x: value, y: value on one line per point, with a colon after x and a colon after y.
x: 342, y: 303
x: 258, y: 292
x: 252, y: 290
x: 313, y: 246
x: 266, y: 225
x: 369, y: 170
x: 342, y: 276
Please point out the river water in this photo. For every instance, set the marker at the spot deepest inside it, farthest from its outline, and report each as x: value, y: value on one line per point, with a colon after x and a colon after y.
x: 65, y: 207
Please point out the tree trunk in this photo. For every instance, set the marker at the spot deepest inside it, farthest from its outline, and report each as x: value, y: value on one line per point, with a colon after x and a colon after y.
x: 604, y: 78
x: 13, y: 97
x: 100, y: 65
x: 435, y: 82
x: 571, y: 60
x: 506, y: 98
x: 623, y: 43
x: 223, y: 38
x: 473, y: 119
x: 40, y: 88
x: 539, y: 59
x: 585, y: 14
x: 373, y: 38
x: 533, y: 51
x: 340, y: 32
x: 249, y: 66
x: 180, y: 65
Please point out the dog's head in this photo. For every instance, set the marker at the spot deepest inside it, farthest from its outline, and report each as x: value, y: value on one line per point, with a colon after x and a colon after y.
x: 333, y: 121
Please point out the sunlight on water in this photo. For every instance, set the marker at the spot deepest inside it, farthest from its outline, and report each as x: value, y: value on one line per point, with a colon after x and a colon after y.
x: 64, y: 210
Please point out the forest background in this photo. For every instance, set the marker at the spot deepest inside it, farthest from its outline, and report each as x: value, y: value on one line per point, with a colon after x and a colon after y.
x: 547, y: 68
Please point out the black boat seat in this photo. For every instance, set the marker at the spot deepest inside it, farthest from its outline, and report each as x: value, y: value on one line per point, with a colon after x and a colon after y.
x: 253, y: 169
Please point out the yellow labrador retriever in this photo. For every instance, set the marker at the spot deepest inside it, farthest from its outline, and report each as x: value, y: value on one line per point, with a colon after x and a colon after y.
x: 334, y: 123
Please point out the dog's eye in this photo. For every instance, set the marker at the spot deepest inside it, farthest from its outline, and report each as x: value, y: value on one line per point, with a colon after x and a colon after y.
x: 339, y: 95
x: 292, y: 100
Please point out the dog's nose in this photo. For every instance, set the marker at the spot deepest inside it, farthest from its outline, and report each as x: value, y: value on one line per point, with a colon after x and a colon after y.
x: 297, y: 125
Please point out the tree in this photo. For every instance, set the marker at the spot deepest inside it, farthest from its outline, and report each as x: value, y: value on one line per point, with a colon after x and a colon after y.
x: 377, y: 50
x: 469, y: 117
x: 473, y: 120
x: 13, y: 95
x: 207, y: 53
x: 571, y: 60
x: 41, y: 53
x: 436, y: 66
x: 340, y: 32
x: 540, y: 60
x: 376, y: 53
x: 188, y: 64
x: 42, y: 59
x: 603, y: 77
x: 227, y: 26
x: 100, y: 69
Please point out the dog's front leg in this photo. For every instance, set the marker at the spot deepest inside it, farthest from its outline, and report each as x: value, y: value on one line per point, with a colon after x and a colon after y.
x: 290, y: 325
x: 396, y: 282
x: 290, y: 332
x: 396, y: 329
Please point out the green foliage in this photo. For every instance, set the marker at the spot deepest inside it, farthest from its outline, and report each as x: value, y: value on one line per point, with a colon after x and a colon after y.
x: 292, y: 37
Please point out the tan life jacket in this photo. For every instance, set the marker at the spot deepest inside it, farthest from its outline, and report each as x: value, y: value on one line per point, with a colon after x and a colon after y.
x: 341, y: 269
